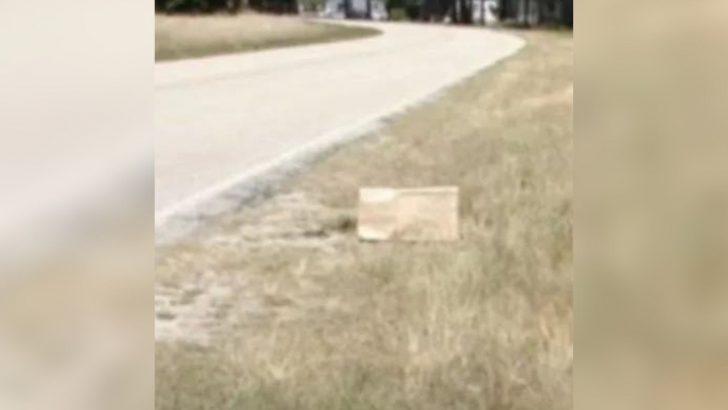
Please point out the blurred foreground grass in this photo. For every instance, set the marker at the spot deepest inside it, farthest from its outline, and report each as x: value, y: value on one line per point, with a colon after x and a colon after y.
x: 306, y: 317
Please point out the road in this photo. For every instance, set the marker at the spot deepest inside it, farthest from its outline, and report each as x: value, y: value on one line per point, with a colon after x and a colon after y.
x: 221, y: 120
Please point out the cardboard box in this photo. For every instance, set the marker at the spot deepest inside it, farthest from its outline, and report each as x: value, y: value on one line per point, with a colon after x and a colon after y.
x: 410, y: 214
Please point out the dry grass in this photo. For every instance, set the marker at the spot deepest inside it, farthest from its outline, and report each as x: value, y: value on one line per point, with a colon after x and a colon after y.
x: 317, y: 320
x: 179, y: 37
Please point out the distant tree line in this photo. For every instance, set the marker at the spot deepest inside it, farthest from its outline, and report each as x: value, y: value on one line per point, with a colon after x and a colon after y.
x: 198, y: 6
x: 230, y: 6
x: 234, y: 6
x: 523, y: 12
x: 536, y: 12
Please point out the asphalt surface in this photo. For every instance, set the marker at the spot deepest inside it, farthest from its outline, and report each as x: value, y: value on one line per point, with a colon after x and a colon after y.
x: 222, y: 120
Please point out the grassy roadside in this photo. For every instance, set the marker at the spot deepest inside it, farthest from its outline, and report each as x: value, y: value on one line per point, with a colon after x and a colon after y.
x: 299, y: 315
x: 178, y: 37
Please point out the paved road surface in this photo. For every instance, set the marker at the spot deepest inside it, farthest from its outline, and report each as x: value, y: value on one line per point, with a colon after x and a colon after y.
x: 220, y: 120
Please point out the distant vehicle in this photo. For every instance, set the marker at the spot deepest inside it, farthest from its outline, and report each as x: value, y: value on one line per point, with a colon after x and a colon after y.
x: 485, y: 11
x: 357, y: 9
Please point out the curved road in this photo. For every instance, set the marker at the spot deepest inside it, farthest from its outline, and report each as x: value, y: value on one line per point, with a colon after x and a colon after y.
x: 221, y: 120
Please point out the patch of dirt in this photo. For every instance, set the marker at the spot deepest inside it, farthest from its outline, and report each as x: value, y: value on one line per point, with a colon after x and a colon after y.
x: 202, y: 305
x: 291, y: 220
x: 193, y: 311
